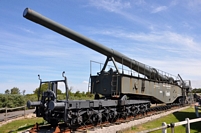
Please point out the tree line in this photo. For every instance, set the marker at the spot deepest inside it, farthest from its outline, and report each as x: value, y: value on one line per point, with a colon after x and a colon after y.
x: 15, y: 97
x: 14, y: 90
x: 196, y: 90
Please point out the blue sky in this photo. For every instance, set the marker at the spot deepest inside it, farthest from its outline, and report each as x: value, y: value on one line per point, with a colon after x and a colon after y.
x: 162, y: 34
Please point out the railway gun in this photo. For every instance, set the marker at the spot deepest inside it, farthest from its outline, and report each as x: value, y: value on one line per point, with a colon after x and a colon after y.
x: 117, y: 94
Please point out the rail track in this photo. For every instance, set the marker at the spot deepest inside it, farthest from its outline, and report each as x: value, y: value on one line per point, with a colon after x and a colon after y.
x: 63, y: 128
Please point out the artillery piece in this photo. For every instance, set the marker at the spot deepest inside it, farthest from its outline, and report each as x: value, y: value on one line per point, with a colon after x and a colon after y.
x: 114, y: 86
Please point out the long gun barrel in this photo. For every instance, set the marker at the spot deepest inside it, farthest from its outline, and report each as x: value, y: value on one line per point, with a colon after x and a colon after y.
x: 150, y: 73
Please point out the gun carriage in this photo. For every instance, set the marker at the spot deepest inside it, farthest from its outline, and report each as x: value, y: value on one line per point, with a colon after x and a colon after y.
x: 122, y: 94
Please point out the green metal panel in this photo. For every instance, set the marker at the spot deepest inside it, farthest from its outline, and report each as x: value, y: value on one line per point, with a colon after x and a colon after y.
x: 164, y: 92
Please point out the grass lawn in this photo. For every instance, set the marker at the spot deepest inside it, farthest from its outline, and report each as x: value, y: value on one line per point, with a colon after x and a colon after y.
x: 171, y: 118
x: 19, y: 125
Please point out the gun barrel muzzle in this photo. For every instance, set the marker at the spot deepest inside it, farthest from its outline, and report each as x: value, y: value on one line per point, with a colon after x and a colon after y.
x: 32, y: 104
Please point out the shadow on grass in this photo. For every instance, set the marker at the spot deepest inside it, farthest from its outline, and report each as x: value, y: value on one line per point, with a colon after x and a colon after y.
x: 181, y: 117
x: 28, y: 126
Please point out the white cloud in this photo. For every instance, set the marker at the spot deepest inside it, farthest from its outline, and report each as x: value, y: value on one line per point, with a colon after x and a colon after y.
x: 110, y: 5
x: 78, y: 87
x: 193, y: 5
x: 196, y: 83
x: 187, y: 25
x: 157, y: 39
x: 85, y: 82
x: 174, y: 2
x: 28, y: 31
x: 120, y: 7
x: 139, y: 2
x: 159, y: 9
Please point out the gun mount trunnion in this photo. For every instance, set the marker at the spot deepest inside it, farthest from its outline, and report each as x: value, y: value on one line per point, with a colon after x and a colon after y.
x: 115, y: 86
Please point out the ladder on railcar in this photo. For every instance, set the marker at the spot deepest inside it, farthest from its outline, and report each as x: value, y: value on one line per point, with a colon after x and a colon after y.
x: 114, y: 86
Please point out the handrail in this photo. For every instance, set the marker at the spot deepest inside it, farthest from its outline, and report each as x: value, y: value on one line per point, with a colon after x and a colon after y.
x: 12, y: 108
x: 172, y: 125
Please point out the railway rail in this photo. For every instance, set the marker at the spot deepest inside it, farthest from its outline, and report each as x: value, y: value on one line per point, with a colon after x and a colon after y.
x: 63, y: 128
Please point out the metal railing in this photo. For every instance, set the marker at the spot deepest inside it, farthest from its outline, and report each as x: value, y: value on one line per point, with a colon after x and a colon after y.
x: 165, y: 126
x: 126, y: 70
x: 172, y: 125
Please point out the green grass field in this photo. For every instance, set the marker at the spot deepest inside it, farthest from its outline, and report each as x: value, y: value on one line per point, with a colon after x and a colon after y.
x: 20, y: 125
x: 172, y: 118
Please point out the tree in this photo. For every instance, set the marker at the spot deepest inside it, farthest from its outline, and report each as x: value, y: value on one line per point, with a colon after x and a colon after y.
x: 70, y: 93
x: 88, y: 94
x: 59, y: 91
x: 15, y: 90
x: 77, y: 94
x: 23, y: 92
x: 196, y: 90
x: 83, y: 94
x: 44, y: 87
x: 7, y: 91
